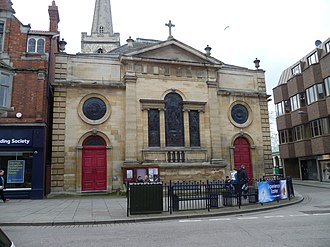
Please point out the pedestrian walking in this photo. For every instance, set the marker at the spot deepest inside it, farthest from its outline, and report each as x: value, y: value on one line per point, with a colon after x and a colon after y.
x: 2, y: 186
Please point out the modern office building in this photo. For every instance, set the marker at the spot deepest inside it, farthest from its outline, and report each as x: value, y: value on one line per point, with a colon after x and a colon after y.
x: 302, y: 101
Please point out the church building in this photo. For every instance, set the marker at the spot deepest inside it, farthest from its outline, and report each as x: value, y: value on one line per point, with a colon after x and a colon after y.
x: 156, y: 108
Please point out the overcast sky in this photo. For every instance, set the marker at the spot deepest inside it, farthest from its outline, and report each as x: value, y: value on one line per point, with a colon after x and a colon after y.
x: 278, y: 32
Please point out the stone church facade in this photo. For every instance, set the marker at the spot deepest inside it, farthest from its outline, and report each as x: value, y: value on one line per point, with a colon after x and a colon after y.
x: 156, y: 108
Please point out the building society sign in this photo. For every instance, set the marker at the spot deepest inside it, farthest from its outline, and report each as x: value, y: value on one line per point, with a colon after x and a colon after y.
x: 15, y: 141
x: 15, y: 138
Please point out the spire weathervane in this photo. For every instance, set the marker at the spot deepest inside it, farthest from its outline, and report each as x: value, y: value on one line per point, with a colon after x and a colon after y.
x: 170, y: 25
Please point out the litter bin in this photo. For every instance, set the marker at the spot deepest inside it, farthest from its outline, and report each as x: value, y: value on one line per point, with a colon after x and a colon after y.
x: 145, y: 198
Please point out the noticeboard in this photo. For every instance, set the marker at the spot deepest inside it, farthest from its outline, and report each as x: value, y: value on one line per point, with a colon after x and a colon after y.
x: 15, y: 172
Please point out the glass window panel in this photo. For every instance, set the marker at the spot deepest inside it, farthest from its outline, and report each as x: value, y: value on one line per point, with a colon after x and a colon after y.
x: 31, y: 45
x: 27, y: 157
x: 327, y: 47
x: 194, y: 128
x: 153, y: 128
x: 320, y: 91
x: 327, y: 86
x: 40, y: 45
x: 174, y: 127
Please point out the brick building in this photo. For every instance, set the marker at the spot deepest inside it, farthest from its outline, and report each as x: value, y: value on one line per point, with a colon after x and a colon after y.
x: 27, y: 57
x: 302, y: 100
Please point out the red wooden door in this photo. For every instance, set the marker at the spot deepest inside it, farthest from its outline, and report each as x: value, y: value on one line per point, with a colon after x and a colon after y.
x: 242, y: 155
x: 94, y: 172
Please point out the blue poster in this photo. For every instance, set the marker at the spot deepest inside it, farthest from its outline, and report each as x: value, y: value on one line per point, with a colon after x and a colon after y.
x: 284, y: 191
x: 15, y: 172
x: 269, y: 191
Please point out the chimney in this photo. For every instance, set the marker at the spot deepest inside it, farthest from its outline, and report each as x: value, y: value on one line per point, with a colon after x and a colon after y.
x: 6, y: 5
x: 54, y: 17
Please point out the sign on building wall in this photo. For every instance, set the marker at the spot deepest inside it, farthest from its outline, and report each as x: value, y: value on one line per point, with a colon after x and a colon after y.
x: 15, y: 172
x: 17, y: 138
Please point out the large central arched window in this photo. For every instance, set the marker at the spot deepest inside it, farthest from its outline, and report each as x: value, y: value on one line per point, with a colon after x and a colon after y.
x: 174, y: 120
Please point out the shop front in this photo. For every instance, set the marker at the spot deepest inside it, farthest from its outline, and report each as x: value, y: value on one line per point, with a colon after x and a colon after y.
x: 22, y: 157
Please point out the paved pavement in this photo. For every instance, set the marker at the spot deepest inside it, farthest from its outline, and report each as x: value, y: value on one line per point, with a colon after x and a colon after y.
x: 111, y: 209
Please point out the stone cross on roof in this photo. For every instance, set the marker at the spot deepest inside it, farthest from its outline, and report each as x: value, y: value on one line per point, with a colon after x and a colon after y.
x: 170, y: 25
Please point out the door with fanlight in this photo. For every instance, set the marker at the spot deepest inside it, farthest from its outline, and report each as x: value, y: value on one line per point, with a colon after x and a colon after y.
x: 242, y: 155
x: 94, y: 164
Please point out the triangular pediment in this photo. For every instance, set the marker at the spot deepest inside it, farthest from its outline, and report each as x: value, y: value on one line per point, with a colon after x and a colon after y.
x: 173, y: 50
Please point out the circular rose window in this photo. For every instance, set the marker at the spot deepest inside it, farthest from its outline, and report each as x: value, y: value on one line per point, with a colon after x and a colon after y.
x: 239, y: 114
x: 94, y: 108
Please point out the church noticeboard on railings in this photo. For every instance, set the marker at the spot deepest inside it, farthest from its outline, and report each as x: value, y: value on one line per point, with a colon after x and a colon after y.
x: 15, y: 173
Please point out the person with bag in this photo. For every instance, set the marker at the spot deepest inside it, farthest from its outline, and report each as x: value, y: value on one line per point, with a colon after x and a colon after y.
x: 2, y: 186
x: 242, y: 181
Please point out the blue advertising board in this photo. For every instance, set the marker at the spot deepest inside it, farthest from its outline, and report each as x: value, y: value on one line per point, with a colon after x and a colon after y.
x: 15, y: 172
x: 269, y: 191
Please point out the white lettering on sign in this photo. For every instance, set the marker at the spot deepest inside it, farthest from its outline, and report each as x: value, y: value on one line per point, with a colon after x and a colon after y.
x: 14, y: 141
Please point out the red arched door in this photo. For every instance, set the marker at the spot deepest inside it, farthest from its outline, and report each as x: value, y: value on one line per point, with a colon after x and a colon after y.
x: 242, y: 155
x: 94, y: 164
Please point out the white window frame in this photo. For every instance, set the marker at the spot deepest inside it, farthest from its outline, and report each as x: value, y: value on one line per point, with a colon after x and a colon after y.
x: 327, y: 86
x: 312, y: 59
x: 296, y: 70
x: 36, y: 47
x: 295, y: 102
x: 5, y: 90
x: 2, y: 35
x: 327, y: 47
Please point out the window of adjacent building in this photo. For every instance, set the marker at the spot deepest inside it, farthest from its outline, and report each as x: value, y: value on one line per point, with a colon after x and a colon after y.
x: 296, y: 70
x: 315, y: 93
x: 36, y: 45
x: 320, y: 127
x: 4, y: 89
x: 2, y: 27
x: 327, y: 47
x: 286, y: 136
x: 282, y: 108
x: 313, y: 59
x: 298, y: 133
x: 295, y: 102
x: 327, y: 86
x: 153, y: 128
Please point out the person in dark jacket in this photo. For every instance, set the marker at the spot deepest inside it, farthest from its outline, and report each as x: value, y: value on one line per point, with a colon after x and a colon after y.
x: 2, y: 186
x: 242, y: 180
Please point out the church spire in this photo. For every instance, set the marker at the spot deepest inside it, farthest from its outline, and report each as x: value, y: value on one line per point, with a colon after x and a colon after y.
x: 102, y: 38
x: 102, y: 21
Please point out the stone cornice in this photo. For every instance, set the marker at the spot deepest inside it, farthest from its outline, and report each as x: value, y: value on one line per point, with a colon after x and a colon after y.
x: 232, y: 92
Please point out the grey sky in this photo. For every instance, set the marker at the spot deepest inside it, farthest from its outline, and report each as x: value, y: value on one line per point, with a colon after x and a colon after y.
x: 278, y: 32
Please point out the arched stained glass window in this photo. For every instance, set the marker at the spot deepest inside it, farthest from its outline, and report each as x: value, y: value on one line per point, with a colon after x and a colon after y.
x: 174, y: 120
x: 153, y: 128
x: 94, y: 141
x: 194, y: 128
